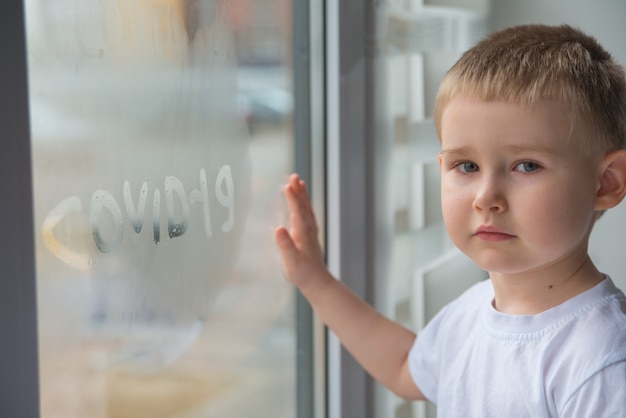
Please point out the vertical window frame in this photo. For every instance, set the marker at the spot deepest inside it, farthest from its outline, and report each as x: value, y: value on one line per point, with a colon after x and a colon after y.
x: 310, y: 162
x: 18, y: 302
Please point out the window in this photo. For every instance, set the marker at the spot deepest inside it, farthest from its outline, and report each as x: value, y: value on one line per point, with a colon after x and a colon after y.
x: 161, y: 132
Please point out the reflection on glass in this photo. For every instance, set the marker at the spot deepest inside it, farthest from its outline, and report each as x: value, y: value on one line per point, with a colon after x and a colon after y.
x: 160, y: 136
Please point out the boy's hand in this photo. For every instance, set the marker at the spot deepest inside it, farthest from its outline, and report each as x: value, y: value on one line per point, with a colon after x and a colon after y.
x: 362, y: 330
x: 303, y: 261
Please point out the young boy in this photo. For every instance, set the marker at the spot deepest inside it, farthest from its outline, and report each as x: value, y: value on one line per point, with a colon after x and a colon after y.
x: 532, y: 124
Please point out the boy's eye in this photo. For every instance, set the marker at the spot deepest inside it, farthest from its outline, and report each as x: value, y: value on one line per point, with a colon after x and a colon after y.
x: 527, y: 167
x: 467, y: 167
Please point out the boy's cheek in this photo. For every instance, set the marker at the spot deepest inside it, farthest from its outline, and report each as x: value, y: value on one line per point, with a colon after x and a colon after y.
x: 453, y: 208
x: 456, y: 200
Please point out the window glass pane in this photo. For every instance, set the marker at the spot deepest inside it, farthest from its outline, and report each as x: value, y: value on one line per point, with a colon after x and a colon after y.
x: 161, y: 135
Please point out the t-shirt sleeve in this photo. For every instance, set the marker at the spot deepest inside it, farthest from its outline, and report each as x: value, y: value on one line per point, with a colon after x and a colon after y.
x: 602, y: 395
x: 423, y: 368
x: 424, y: 357
x: 441, y: 336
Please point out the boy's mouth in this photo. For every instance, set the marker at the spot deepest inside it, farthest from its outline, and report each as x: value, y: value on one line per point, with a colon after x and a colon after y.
x: 492, y: 234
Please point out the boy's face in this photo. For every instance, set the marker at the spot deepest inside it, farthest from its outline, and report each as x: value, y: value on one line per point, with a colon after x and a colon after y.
x: 518, y: 195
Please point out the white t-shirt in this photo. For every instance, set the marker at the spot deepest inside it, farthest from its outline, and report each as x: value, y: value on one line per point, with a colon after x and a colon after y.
x: 569, y: 361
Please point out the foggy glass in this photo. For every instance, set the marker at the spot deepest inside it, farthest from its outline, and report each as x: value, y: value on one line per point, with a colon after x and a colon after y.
x: 160, y: 136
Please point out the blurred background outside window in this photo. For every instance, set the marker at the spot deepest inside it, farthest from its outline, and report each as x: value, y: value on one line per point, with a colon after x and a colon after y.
x: 161, y: 134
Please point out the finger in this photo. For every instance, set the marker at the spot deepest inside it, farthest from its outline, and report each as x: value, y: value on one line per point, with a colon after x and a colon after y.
x: 302, y: 215
x: 294, y: 181
x: 285, y: 244
x: 298, y: 184
x: 298, y: 188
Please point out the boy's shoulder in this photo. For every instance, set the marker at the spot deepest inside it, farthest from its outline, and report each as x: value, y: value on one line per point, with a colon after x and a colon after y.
x: 598, y: 327
x: 600, y: 310
x: 589, y: 342
x: 465, y: 312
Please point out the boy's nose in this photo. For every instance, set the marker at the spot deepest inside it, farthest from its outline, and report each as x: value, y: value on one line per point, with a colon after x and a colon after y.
x: 490, y: 196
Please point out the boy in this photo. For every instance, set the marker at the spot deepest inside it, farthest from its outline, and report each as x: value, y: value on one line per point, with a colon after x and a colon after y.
x: 532, y: 124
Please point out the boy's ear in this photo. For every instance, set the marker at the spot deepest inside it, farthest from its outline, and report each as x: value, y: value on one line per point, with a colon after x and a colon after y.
x: 612, y: 187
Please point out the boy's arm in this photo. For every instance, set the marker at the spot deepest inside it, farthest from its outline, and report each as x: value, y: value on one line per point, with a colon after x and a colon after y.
x: 380, y: 345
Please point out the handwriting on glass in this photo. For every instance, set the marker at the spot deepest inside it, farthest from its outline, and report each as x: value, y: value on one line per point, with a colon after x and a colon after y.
x: 175, y: 196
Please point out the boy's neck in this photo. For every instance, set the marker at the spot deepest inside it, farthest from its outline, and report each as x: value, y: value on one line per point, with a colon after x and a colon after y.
x: 537, y: 292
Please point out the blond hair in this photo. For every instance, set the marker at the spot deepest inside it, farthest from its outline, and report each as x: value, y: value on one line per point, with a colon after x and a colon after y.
x: 528, y: 63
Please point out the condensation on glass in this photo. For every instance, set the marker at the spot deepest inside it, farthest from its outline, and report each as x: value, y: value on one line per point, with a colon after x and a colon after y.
x: 160, y: 136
